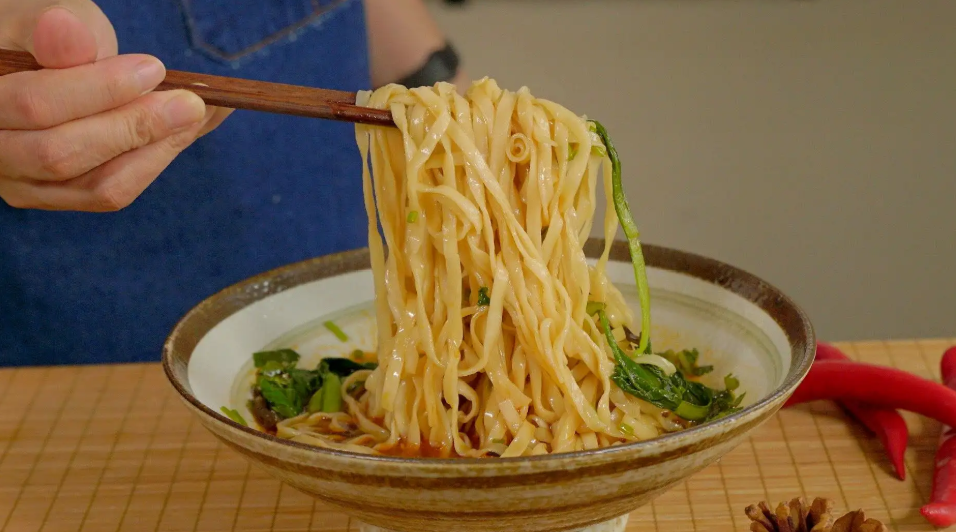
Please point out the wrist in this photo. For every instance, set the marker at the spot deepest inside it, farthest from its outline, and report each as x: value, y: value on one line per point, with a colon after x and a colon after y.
x: 461, y: 81
x: 441, y: 65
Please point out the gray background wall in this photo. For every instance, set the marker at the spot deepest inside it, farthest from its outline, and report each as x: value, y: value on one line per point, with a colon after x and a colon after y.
x: 812, y: 143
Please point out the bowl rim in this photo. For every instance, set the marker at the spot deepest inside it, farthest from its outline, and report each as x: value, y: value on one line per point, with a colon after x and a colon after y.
x: 189, y: 330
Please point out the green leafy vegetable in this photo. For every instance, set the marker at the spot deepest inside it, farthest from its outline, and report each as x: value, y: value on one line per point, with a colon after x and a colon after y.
x: 630, y: 231
x: 689, y: 400
x: 234, y: 415
x: 339, y: 333
x: 305, y: 382
x: 686, y: 362
x: 726, y: 402
x: 640, y: 380
x: 284, y: 357
x: 344, y: 367
x: 280, y: 395
x: 412, y: 217
x: 483, y: 299
x: 272, y: 367
x: 290, y: 391
x: 594, y: 306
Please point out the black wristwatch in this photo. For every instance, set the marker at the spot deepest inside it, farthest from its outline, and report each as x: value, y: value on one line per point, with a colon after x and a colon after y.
x: 442, y: 65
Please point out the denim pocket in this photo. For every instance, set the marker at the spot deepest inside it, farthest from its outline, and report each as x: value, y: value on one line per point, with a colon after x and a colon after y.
x: 229, y: 30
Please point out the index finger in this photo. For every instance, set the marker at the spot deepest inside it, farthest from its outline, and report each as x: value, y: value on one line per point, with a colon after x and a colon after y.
x: 46, y: 98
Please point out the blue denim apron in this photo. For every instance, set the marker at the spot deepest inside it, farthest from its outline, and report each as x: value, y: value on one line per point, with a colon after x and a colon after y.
x: 261, y: 191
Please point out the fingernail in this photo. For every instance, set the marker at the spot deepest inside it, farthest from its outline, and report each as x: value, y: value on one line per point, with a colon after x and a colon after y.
x: 149, y: 74
x: 184, y: 110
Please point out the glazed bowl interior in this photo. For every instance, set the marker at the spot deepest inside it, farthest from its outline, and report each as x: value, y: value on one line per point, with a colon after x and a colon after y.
x: 733, y: 332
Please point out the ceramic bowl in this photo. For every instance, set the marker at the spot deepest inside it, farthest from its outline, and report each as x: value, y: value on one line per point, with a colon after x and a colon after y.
x: 738, y: 322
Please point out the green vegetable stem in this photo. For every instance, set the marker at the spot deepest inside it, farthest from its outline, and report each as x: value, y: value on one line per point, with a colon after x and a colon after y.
x: 315, y: 403
x: 632, y: 234
x: 332, y: 394
x: 234, y: 415
x: 594, y: 306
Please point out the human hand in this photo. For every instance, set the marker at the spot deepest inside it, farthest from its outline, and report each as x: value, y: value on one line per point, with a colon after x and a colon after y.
x: 86, y: 133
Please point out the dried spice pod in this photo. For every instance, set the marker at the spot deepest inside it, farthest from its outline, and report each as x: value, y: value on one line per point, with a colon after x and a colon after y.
x: 798, y: 516
x: 849, y: 522
x: 795, y: 516
x: 821, y: 512
x: 761, y: 517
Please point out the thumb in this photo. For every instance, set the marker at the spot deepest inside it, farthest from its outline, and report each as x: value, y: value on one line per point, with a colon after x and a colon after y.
x: 62, y: 40
x: 60, y: 34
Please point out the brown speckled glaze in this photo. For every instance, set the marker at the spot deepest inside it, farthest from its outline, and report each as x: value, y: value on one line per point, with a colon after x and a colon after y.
x: 544, y: 493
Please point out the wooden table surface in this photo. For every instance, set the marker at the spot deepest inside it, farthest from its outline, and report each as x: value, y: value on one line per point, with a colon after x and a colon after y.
x: 107, y: 448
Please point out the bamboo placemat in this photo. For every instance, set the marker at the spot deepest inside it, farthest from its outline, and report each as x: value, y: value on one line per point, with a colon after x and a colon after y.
x: 108, y: 448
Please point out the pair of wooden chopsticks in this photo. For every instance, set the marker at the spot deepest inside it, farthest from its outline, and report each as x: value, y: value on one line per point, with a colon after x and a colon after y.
x: 236, y: 93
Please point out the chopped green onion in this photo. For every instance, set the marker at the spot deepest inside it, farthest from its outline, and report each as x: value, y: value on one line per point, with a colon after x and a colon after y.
x: 339, y: 333
x: 594, y: 306
x: 332, y: 393
x: 632, y: 234
x: 234, y: 415
x: 498, y: 440
x: 483, y: 299
x: 572, y: 151
x: 412, y: 217
x: 627, y: 429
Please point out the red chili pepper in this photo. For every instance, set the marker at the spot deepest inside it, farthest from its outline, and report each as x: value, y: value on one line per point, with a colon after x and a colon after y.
x: 887, y: 424
x: 877, y: 386
x: 941, y: 510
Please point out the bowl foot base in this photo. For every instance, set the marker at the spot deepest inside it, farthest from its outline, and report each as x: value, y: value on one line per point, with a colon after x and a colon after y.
x: 614, y: 525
